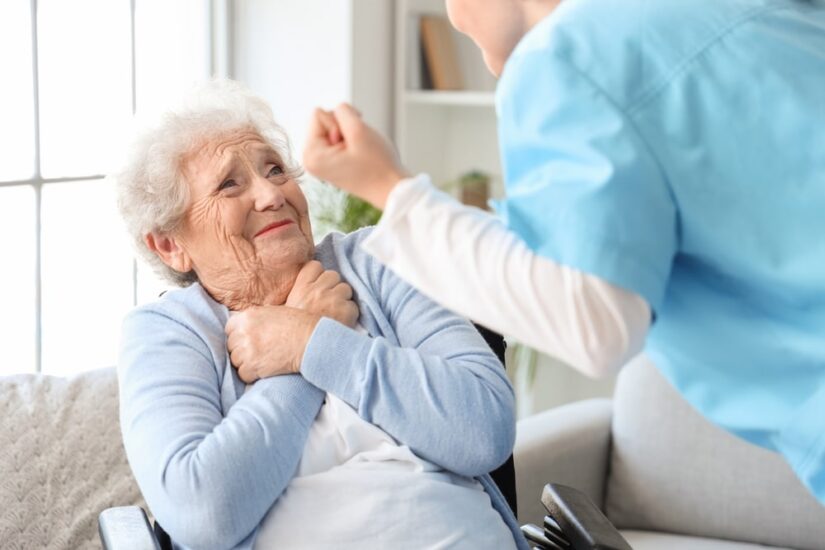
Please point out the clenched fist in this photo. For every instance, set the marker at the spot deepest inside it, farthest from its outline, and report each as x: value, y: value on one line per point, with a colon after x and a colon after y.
x: 267, y: 341
x: 346, y: 152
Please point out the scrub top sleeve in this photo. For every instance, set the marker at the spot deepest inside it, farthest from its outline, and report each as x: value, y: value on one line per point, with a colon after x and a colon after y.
x: 802, y: 442
x: 583, y: 188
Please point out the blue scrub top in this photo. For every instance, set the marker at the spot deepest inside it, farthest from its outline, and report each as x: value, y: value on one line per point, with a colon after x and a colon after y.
x: 676, y: 148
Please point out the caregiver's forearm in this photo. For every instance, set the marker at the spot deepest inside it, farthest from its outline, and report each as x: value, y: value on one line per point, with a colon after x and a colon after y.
x: 468, y: 261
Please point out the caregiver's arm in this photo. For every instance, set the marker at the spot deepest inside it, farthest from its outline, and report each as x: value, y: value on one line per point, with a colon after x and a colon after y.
x: 469, y: 262
x: 488, y: 274
x: 208, y: 478
x: 440, y: 389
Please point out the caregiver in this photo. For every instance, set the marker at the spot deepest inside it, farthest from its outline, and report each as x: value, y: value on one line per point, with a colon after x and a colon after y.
x: 664, y: 164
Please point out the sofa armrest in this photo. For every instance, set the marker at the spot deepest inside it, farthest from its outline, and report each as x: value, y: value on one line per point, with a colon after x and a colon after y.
x: 126, y: 528
x: 568, y: 445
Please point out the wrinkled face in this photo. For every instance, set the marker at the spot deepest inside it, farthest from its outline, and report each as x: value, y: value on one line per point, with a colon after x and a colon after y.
x: 247, y: 229
x: 495, y: 26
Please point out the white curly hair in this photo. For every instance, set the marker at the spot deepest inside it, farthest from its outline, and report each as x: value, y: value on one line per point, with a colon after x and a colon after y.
x: 152, y: 194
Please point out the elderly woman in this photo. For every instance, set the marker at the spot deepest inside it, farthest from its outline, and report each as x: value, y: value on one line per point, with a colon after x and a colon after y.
x: 258, y: 408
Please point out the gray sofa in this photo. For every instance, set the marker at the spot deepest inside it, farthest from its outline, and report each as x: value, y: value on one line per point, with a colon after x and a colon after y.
x: 647, y: 458
x: 662, y: 474
x: 61, y: 460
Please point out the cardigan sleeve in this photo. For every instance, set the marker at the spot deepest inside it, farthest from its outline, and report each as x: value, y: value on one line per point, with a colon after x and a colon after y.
x: 209, y: 479
x: 441, y: 391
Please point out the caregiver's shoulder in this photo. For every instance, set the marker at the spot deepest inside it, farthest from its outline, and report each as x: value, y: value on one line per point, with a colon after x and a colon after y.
x: 631, y: 47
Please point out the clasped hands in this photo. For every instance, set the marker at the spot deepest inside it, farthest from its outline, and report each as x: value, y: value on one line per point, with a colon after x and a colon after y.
x: 266, y: 341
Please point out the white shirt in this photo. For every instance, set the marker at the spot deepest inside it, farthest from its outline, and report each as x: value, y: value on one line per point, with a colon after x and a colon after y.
x: 467, y: 260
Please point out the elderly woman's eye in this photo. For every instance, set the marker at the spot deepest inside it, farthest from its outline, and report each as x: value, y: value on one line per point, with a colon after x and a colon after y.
x: 227, y: 184
x: 275, y: 171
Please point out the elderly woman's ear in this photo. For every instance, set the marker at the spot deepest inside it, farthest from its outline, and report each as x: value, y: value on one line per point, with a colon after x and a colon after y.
x: 169, y: 251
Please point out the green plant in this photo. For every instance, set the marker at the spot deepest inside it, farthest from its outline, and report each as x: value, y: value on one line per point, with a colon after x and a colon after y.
x: 339, y: 211
x: 526, y: 358
x: 474, y: 177
x: 472, y: 188
x: 357, y: 213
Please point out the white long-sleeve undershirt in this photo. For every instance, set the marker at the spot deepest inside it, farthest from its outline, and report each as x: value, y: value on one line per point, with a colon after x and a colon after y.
x: 468, y: 261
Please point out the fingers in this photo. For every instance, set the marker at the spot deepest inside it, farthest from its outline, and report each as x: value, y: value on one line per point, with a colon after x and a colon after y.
x: 232, y: 339
x: 349, y: 120
x: 320, y: 123
x: 237, y: 322
x: 335, y: 137
x: 248, y: 375
x: 309, y: 273
x: 328, y: 279
x: 232, y: 323
x: 235, y: 338
x: 313, y: 273
x: 237, y: 345
x: 237, y: 357
x: 343, y: 291
x: 333, y: 134
x: 351, y: 314
x: 349, y: 107
x: 324, y: 125
x: 327, y: 126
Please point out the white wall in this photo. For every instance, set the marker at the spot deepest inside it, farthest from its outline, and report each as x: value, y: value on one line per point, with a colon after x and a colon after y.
x: 372, y: 47
x: 552, y: 384
x: 300, y: 54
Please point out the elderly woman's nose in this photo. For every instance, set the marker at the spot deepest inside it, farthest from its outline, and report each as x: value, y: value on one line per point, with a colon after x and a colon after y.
x: 267, y: 194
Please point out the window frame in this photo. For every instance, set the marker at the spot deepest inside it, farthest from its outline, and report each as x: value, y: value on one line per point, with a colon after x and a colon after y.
x: 220, y: 20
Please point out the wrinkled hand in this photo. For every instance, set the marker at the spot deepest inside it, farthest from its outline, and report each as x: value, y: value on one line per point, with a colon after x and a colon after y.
x: 266, y: 341
x: 351, y: 155
x: 322, y: 293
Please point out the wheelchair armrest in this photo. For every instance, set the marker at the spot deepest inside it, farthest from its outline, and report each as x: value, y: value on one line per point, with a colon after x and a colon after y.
x: 568, y: 444
x: 126, y: 528
x: 580, y: 520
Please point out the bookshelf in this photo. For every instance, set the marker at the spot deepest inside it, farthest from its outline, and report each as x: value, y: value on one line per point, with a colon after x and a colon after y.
x: 445, y: 133
x: 449, y: 133
x: 450, y: 98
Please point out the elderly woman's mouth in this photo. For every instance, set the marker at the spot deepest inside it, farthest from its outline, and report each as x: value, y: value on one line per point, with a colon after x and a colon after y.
x: 274, y: 227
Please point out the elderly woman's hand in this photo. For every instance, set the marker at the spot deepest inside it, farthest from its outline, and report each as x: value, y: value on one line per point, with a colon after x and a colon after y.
x: 266, y: 341
x: 323, y: 293
x: 349, y: 154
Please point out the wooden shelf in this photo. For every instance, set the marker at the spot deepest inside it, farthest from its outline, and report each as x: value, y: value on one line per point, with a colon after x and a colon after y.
x: 467, y: 98
x: 445, y: 133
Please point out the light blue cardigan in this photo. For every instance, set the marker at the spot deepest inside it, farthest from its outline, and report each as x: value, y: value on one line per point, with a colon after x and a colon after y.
x: 211, y: 460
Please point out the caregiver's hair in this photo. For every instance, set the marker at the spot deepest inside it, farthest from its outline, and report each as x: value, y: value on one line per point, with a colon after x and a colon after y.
x: 152, y: 193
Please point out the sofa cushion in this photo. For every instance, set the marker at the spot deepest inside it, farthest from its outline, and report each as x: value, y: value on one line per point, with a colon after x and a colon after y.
x: 61, y: 459
x: 673, y: 471
x: 648, y: 540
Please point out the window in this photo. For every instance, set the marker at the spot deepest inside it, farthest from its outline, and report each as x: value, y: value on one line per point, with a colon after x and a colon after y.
x: 74, y: 74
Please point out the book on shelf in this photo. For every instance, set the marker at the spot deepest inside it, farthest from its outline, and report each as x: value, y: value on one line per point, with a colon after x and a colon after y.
x: 440, y: 67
